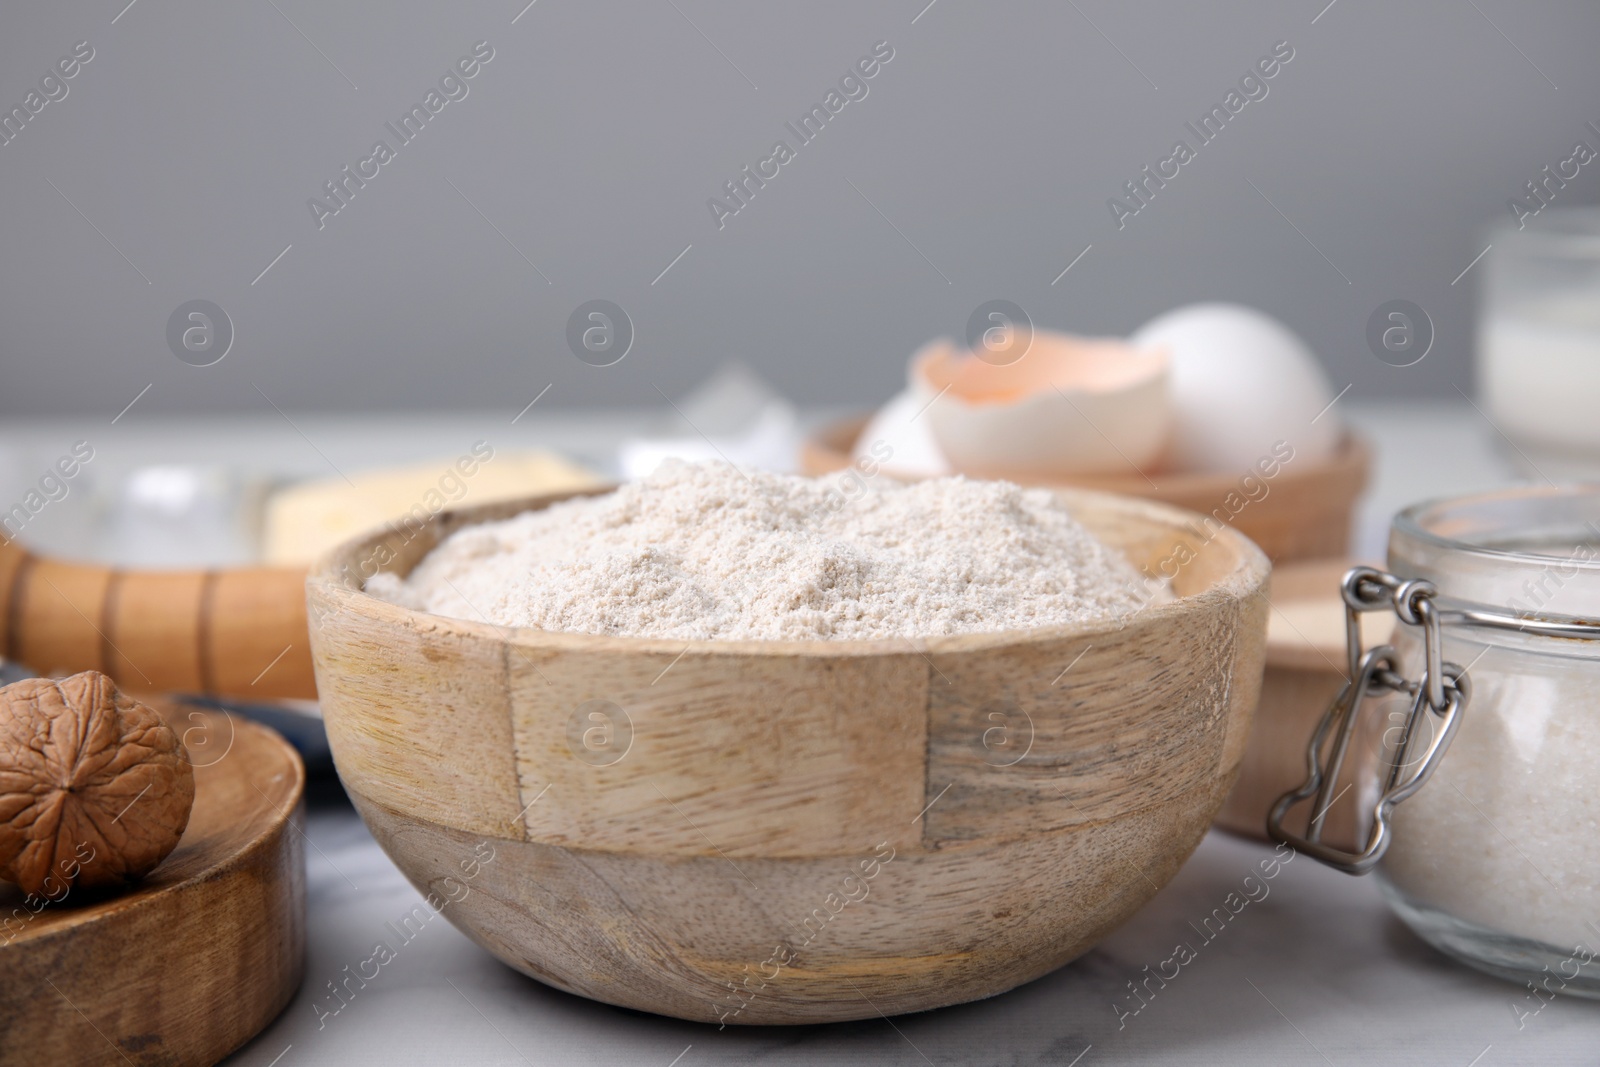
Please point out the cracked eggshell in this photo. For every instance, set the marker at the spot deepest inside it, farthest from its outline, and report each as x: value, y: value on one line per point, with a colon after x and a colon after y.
x: 1241, y: 381
x: 1070, y: 406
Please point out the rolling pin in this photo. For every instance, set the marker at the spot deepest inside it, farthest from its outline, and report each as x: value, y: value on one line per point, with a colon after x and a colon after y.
x: 237, y: 633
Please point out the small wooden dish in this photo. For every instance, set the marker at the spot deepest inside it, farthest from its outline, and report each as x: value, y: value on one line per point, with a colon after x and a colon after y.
x: 1305, y: 671
x: 190, y: 963
x: 794, y: 832
x: 1305, y: 513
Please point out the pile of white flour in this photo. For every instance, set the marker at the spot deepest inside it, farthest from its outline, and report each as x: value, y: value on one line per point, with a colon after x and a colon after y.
x: 704, y: 551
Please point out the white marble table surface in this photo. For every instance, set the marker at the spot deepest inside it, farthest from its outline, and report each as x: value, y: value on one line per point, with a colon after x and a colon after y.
x: 1314, y: 972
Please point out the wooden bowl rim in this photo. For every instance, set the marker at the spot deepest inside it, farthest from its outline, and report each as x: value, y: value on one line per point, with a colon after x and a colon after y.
x: 1353, y: 456
x: 332, y: 577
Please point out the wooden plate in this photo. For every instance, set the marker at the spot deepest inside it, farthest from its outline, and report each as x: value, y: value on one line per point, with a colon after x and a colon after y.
x: 191, y: 963
x: 1305, y: 513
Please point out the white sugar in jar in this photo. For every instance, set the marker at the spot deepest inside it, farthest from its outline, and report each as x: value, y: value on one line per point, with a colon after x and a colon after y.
x: 1496, y: 859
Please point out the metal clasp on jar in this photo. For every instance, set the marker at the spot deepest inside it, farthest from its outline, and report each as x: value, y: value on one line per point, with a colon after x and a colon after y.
x: 1441, y: 691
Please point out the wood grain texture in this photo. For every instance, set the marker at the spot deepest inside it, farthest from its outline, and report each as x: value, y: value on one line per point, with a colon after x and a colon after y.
x: 797, y: 751
x: 669, y: 814
x: 239, y: 633
x: 189, y: 964
x: 1305, y: 515
x: 695, y: 936
x: 159, y: 651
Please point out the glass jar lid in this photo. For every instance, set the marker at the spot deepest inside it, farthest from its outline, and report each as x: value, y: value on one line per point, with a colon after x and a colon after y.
x: 1529, y: 550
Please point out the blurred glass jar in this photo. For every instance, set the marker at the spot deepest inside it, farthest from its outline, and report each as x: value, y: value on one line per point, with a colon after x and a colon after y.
x: 1496, y: 859
x: 182, y: 515
x: 1539, y: 341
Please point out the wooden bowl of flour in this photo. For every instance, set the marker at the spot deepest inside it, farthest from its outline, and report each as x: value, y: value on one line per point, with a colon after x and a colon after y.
x: 794, y: 832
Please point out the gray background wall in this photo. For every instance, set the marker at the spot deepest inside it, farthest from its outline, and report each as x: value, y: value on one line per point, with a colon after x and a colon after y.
x: 981, y: 162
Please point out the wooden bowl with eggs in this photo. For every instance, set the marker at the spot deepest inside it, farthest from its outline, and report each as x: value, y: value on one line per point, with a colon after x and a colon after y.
x: 774, y: 832
x: 1214, y: 407
x: 1305, y: 512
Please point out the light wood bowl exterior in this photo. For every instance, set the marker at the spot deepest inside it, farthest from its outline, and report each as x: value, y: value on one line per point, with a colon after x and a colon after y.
x: 1306, y: 513
x: 796, y: 832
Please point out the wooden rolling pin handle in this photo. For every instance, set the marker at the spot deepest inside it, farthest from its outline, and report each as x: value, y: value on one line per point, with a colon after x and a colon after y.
x: 236, y: 633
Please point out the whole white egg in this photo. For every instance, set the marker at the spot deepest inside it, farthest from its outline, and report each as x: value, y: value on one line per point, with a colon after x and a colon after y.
x: 1240, y: 382
x: 898, y: 436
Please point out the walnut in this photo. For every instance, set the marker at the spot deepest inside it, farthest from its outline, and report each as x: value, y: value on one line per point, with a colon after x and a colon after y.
x: 95, y: 789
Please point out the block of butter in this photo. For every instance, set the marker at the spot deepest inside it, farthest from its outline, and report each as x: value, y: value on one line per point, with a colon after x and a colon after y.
x: 305, y: 520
